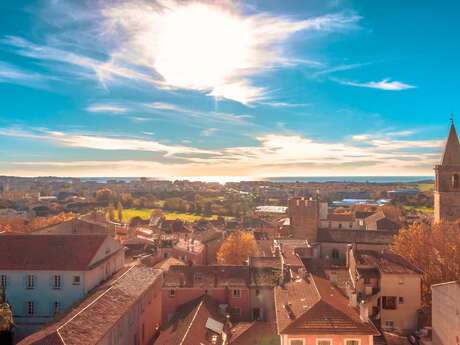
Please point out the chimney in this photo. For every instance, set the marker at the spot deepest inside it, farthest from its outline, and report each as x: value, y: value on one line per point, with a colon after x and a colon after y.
x: 364, y: 311
x: 348, y: 253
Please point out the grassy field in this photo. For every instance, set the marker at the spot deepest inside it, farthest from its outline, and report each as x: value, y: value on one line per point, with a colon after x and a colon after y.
x: 425, y: 187
x: 426, y: 210
x: 144, y: 213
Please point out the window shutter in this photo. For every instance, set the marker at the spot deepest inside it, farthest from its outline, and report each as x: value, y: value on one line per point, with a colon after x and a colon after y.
x: 24, y: 281
x: 51, y: 280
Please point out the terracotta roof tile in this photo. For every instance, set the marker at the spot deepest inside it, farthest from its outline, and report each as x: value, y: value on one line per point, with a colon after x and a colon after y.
x: 317, y: 307
x: 385, y: 262
x: 49, y: 252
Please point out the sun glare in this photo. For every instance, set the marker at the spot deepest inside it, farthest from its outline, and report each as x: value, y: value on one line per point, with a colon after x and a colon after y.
x: 199, y: 46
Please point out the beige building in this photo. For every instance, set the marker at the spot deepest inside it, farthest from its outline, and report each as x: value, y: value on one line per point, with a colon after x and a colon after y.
x: 447, y: 185
x: 390, y: 285
x: 446, y: 313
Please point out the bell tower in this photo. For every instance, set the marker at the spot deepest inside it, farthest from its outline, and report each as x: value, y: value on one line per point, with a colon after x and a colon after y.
x: 447, y: 183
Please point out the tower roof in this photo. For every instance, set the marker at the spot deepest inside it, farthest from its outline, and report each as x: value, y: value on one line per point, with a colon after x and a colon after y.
x: 451, y: 154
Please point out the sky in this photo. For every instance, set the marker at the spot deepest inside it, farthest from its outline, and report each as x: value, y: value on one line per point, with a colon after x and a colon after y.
x: 226, y: 89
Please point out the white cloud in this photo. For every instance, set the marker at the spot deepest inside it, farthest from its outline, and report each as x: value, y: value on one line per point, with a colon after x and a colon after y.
x: 208, y: 132
x: 272, y: 155
x: 286, y: 104
x: 104, y: 142
x: 385, y: 84
x: 106, y: 108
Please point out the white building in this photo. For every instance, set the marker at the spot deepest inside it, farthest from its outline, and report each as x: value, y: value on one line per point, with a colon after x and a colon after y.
x: 45, y: 275
x: 445, y: 311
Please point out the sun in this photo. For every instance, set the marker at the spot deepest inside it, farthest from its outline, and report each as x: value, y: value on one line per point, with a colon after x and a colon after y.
x: 199, y: 46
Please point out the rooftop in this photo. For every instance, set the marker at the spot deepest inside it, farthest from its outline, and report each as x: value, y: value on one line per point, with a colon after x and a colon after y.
x: 49, y: 252
x: 91, y: 321
x: 317, y: 307
x: 355, y: 236
x: 385, y: 262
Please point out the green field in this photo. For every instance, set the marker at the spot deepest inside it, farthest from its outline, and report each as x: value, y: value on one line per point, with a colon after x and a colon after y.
x: 425, y: 187
x: 425, y: 210
x: 144, y: 213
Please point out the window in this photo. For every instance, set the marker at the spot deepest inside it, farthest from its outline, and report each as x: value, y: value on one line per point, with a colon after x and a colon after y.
x: 30, y: 281
x: 401, y: 300
x: 172, y: 293
x: 237, y: 311
x: 351, y: 225
x: 236, y: 293
x: 389, y: 302
x: 323, y: 341
x: 257, y: 292
x: 57, y: 282
x: 296, y: 342
x: 389, y: 324
x: 335, y: 254
x: 198, y: 276
x: 56, y: 307
x: 455, y: 181
x: 367, y: 280
x: 76, y: 280
x: 352, y: 342
x: 30, y: 308
x: 3, y: 280
x: 256, y: 314
x: 340, y: 225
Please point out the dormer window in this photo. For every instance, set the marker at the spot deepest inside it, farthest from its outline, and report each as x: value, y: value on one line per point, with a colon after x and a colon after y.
x: 455, y: 181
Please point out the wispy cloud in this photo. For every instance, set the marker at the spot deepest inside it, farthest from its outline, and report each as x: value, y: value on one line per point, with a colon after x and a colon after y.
x: 105, y: 143
x: 208, y: 132
x: 205, y: 47
x: 285, y: 104
x: 339, y: 68
x: 170, y: 109
x: 106, y: 108
x: 272, y: 154
x: 213, y: 48
x: 385, y: 84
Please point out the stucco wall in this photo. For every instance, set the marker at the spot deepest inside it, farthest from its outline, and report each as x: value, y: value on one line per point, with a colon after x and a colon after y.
x: 446, y: 313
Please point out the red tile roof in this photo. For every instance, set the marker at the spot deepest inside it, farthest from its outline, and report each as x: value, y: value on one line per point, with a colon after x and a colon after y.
x: 188, y: 326
x: 257, y: 332
x: 385, y: 262
x: 49, y: 252
x: 317, y: 307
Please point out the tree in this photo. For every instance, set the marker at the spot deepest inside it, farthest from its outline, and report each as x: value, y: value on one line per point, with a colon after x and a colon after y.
x: 120, y: 211
x: 104, y: 196
x: 236, y: 248
x: 434, y: 249
x: 111, y: 213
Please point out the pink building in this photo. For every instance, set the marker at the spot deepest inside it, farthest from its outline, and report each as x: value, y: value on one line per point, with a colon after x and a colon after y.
x: 246, y: 292
x: 312, y: 310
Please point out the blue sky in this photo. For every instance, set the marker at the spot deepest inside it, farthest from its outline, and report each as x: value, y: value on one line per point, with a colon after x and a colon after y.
x: 253, y: 88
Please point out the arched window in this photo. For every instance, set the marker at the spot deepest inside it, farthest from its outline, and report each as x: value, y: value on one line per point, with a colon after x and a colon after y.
x: 455, y: 181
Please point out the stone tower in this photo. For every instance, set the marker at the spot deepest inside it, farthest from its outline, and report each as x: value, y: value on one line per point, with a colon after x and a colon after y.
x: 304, y: 218
x: 447, y: 184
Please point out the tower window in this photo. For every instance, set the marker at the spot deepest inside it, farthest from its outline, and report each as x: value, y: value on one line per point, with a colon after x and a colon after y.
x: 455, y: 181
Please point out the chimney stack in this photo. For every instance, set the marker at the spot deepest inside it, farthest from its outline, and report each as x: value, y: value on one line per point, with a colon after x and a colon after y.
x: 363, y: 311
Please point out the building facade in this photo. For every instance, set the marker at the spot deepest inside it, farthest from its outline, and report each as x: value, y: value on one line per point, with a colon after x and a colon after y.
x: 446, y: 313
x: 45, y: 275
